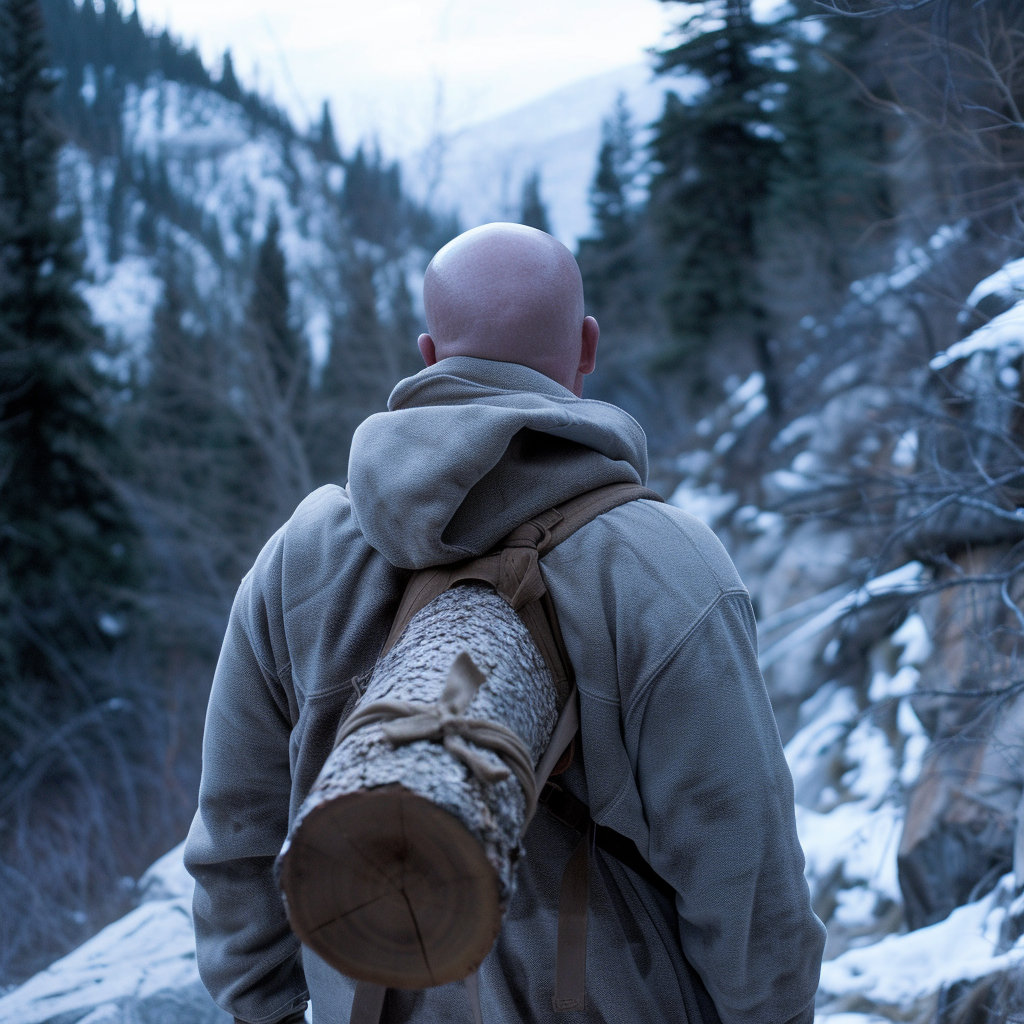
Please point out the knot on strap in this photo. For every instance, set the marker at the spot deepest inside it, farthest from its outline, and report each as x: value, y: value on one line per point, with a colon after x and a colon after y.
x: 530, y: 535
x: 444, y: 721
x: 519, y: 578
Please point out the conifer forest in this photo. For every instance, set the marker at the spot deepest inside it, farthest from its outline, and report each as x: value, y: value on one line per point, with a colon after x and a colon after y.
x: 809, y: 274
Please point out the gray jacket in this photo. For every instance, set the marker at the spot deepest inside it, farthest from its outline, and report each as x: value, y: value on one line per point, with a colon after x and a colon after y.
x: 679, y: 746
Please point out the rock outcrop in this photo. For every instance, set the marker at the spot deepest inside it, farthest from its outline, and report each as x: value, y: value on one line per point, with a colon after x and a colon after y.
x: 138, y: 970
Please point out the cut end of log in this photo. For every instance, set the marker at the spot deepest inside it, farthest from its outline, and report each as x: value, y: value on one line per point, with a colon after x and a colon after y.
x: 389, y: 888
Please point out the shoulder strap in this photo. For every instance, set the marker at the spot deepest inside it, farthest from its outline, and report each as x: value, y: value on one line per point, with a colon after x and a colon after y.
x: 512, y: 568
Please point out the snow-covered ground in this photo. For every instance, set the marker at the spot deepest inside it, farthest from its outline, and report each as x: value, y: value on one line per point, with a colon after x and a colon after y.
x: 139, y: 970
x: 142, y: 968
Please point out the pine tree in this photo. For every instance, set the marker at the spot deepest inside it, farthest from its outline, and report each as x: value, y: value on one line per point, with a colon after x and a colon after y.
x: 609, y: 199
x: 830, y: 189
x: 372, y: 199
x: 269, y: 316
x: 346, y: 386
x: 372, y: 348
x: 532, y: 210
x: 276, y: 379
x: 198, y: 464
x: 228, y: 84
x: 67, y: 543
x: 326, y: 142
x: 609, y: 260
x: 717, y: 157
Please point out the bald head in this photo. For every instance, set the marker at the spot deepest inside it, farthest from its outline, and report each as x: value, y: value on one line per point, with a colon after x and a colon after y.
x: 510, y: 293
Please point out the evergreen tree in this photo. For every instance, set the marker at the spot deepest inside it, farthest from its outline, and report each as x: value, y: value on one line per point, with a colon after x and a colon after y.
x: 609, y: 260
x: 66, y: 541
x: 352, y: 383
x: 609, y: 199
x: 269, y: 319
x: 228, y: 84
x: 372, y: 199
x: 830, y: 189
x: 532, y: 210
x: 275, y: 376
x: 372, y: 348
x: 717, y: 157
x: 198, y: 465
x: 326, y: 142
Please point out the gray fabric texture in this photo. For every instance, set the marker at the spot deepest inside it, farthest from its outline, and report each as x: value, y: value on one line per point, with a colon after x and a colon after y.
x: 679, y: 746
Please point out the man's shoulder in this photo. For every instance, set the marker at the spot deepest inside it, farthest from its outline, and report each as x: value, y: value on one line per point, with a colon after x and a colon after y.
x: 644, y: 571
x: 308, y: 549
x: 666, y: 541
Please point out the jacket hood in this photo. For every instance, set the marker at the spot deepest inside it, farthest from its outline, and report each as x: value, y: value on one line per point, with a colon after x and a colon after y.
x: 471, y: 448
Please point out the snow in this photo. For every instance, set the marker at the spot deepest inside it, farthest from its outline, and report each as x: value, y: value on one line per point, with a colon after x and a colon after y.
x: 911, y: 262
x: 907, y: 579
x: 744, y: 392
x: 1008, y: 281
x: 747, y: 401
x: 1003, y: 334
x: 479, y: 171
x: 883, y: 686
x: 797, y: 430
x: 904, y: 455
x: 142, y: 966
x: 123, y: 302
x: 858, y: 836
x: 899, y: 970
x: 230, y: 176
x: 708, y: 504
x: 830, y: 725
x: 913, y: 637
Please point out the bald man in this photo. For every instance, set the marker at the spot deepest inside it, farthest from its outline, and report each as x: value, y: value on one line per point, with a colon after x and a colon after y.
x: 679, y: 750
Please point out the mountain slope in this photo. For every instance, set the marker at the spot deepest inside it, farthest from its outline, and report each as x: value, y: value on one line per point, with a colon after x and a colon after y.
x: 479, y: 172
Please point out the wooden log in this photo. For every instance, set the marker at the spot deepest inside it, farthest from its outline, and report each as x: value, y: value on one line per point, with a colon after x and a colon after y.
x: 401, y: 859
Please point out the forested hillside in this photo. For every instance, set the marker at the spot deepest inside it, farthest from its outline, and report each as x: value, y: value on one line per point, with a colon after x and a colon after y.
x: 248, y: 299
x: 808, y: 274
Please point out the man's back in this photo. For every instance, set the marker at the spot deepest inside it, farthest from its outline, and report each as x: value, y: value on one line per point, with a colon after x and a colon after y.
x: 679, y: 749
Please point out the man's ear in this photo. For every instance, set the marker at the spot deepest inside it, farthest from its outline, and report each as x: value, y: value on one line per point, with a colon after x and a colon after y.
x: 588, y: 353
x: 425, y: 343
x: 588, y: 350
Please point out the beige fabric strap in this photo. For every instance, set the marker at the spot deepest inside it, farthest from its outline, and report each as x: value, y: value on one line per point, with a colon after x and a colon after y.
x: 576, y: 513
x: 561, y: 736
x: 368, y: 1003
x: 443, y: 720
x: 571, y: 949
x: 473, y: 989
x: 513, y: 569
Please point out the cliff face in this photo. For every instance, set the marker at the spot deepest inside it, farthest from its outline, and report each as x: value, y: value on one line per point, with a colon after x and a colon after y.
x: 880, y: 537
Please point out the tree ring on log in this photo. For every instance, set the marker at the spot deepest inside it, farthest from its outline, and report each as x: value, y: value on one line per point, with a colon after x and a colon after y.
x: 404, y: 897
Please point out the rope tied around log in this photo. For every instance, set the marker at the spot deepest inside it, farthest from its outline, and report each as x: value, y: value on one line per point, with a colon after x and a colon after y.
x: 444, y: 720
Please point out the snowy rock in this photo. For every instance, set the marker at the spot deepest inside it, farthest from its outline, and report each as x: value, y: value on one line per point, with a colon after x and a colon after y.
x: 961, y: 812
x: 138, y: 970
x: 900, y: 976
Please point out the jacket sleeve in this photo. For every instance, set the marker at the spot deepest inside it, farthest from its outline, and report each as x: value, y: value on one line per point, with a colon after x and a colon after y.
x: 248, y: 957
x: 718, y: 798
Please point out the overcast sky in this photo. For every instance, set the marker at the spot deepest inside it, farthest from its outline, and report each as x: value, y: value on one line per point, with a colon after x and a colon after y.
x: 405, y: 69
